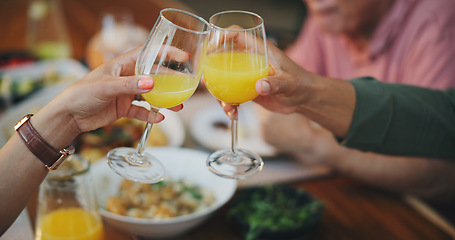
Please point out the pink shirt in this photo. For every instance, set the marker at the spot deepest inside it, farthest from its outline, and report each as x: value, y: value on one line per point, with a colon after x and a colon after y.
x: 413, y: 44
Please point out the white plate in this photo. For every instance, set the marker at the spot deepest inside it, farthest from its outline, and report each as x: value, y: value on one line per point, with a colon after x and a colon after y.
x: 203, y: 129
x: 68, y: 69
x: 180, y: 164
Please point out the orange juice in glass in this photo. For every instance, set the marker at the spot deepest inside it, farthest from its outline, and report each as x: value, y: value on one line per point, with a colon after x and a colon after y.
x: 236, y: 58
x: 171, y: 89
x: 67, y: 208
x: 70, y: 224
x: 231, y: 76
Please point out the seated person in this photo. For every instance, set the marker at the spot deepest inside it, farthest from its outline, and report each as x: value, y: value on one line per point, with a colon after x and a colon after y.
x: 395, y: 41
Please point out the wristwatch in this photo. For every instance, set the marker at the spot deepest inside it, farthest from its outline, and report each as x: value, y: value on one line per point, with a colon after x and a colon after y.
x: 51, y: 157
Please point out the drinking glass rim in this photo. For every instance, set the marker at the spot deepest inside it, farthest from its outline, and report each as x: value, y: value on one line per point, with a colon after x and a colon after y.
x: 63, y: 174
x: 236, y: 11
x: 187, y: 13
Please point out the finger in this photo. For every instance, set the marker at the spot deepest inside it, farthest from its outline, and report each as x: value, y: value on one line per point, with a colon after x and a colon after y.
x: 143, y: 114
x: 233, y: 34
x: 176, y: 108
x: 202, y: 80
x: 157, y: 53
x: 174, y: 54
x: 159, y: 117
x: 227, y: 108
x: 124, y: 64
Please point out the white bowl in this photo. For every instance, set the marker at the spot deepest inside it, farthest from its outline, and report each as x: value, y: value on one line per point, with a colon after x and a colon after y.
x: 180, y: 163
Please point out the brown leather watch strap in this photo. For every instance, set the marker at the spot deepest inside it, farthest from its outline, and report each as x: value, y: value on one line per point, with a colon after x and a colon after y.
x: 50, y: 156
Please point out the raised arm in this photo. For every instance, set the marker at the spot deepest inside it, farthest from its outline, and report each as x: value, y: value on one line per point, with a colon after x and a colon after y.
x: 367, y: 114
x: 99, y: 98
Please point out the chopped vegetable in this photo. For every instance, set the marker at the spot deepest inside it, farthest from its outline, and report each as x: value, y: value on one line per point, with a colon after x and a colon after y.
x: 161, y: 200
x: 274, y: 208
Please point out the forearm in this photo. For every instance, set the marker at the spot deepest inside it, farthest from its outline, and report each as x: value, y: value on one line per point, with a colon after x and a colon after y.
x: 429, y: 178
x: 20, y: 176
x: 20, y: 171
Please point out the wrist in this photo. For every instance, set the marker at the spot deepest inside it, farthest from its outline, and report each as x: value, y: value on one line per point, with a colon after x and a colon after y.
x: 55, y: 125
x: 311, y: 90
x: 329, y: 102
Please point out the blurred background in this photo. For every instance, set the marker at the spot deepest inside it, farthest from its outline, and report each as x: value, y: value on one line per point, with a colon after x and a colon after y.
x: 83, y: 18
x: 90, y: 32
x: 47, y: 44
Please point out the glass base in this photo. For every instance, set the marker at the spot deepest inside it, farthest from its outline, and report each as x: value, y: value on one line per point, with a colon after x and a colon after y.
x: 148, y: 169
x: 242, y: 165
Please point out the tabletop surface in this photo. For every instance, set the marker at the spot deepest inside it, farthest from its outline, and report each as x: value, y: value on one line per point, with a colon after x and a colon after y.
x: 352, y: 210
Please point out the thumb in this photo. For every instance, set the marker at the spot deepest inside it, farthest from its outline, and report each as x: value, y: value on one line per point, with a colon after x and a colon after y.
x: 269, y: 86
x: 129, y: 85
x: 145, y: 84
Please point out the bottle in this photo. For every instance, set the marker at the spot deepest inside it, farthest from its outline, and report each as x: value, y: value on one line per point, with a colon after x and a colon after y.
x: 67, y: 207
x: 47, y: 35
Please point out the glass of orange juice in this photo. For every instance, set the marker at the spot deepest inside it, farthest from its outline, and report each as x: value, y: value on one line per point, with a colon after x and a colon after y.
x: 67, y: 207
x: 236, y: 59
x: 172, y: 55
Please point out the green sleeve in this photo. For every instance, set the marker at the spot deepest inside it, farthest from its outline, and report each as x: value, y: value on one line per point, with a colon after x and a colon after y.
x: 402, y: 120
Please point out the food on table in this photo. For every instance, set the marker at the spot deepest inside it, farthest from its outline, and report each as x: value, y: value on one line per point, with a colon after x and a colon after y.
x: 275, y: 209
x: 124, y: 132
x: 161, y: 200
x: 18, y: 88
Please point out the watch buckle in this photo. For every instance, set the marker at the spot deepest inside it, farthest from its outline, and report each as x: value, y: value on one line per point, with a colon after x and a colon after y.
x: 65, y: 153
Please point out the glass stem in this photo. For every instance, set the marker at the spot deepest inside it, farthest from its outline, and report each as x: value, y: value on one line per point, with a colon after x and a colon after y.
x: 234, y: 129
x: 145, y: 135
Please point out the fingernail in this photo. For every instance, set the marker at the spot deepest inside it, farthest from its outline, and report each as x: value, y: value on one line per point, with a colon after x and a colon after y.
x: 146, y: 83
x: 183, y: 57
x: 265, y: 86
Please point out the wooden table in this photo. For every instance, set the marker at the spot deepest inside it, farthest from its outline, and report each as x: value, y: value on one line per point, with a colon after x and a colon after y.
x: 353, y: 210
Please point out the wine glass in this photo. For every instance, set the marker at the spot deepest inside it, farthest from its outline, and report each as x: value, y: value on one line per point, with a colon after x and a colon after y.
x: 236, y: 59
x: 172, y: 56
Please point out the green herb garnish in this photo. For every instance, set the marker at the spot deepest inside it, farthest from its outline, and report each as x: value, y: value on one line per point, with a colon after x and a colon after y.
x: 274, y: 208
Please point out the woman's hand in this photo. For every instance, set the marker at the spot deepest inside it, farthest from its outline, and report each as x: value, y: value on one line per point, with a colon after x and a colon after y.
x: 101, y: 97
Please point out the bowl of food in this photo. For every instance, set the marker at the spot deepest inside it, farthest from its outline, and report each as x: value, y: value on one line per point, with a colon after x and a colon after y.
x: 275, y: 212
x: 188, y: 196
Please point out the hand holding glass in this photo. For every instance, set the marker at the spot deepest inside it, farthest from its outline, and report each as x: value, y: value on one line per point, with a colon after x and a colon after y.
x: 236, y: 59
x: 172, y: 56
